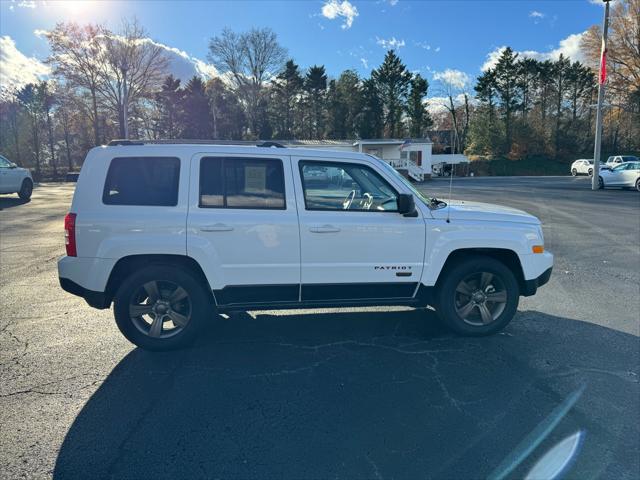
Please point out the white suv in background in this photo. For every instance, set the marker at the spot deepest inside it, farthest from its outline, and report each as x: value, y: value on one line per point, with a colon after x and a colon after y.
x: 14, y: 179
x: 582, y: 167
x: 171, y: 233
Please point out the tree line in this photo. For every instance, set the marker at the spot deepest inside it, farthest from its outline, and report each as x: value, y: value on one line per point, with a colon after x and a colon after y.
x: 107, y: 85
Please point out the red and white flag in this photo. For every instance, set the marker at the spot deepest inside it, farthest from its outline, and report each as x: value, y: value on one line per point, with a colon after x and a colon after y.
x: 603, y: 64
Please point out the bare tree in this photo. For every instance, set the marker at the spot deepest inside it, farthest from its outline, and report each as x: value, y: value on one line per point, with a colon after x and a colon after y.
x: 455, y: 91
x: 75, y: 52
x: 131, y: 67
x: 249, y: 60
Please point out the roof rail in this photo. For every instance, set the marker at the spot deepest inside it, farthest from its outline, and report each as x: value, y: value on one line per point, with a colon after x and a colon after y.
x: 184, y: 141
x: 115, y: 142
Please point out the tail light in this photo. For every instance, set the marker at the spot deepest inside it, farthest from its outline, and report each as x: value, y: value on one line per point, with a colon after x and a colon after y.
x: 70, y: 234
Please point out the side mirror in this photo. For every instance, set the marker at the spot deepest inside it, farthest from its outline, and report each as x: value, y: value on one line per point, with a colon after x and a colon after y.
x: 406, y: 205
x: 13, y: 165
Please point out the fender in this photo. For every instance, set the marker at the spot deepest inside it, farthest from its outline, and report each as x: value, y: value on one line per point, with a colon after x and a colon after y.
x: 444, y: 238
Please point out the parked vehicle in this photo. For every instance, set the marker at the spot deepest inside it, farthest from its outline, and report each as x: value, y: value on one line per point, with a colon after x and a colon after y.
x: 625, y: 175
x: 14, y: 179
x: 616, y: 160
x: 171, y: 233
x: 582, y: 167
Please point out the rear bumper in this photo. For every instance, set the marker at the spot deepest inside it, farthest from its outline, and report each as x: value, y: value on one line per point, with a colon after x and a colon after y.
x: 531, y: 286
x: 94, y: 299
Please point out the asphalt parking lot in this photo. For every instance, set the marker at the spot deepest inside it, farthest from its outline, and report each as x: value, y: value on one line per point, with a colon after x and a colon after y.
x: 378, y: 393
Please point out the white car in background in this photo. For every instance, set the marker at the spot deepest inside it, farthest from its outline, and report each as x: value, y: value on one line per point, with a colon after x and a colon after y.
x: 14, y: 179
x: 625, y: 175
x: 583, y: 166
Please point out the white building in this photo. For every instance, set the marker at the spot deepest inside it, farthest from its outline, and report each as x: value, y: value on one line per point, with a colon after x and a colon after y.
x: 412, y: 156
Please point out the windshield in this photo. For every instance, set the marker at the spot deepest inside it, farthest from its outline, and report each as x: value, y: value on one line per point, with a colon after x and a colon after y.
x: 392, y: 171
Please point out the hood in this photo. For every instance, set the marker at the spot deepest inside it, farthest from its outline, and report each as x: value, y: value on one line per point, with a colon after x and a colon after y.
x: 463, y: 210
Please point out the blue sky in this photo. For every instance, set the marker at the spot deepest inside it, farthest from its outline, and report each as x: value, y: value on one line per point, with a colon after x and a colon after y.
x: 430, y: 36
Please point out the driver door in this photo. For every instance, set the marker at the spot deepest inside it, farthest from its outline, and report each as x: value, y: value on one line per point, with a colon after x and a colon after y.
x: 354, y: 243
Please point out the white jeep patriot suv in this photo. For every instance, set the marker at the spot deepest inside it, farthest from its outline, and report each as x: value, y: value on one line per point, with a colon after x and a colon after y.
x: 171, y: 233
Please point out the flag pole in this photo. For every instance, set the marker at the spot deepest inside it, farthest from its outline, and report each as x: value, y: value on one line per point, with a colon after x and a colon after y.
x: 602, y: 77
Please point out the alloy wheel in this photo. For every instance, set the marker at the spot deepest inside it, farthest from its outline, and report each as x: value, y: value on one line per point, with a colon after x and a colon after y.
x: 480, y: 298
x: 160, y: 309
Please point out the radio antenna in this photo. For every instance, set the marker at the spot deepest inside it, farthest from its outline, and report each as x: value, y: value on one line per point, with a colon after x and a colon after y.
x: 453, y: 172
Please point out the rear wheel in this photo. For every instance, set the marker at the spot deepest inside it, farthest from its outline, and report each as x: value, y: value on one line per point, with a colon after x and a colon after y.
x: 479, y: 296
x: 574, y: 172
x: 161, y: 307
x: 26, y: 189
x: 638, y: 185
x: 591, y: 172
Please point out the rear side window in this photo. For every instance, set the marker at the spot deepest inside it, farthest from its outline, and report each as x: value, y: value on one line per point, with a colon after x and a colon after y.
x: 256, y: 183
x: 146, y: 181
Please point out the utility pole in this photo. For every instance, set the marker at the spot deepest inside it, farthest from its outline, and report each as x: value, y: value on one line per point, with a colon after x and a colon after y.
x: 595, y: 179
x: 125, y: 102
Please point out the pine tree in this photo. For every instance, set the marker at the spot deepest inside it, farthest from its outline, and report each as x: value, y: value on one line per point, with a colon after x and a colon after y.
x: 392, y: 79
x: 286, y: 94
x: 195, y: 105
x: 315, y: 84
x: 370, y: 118
x: 419, y: 119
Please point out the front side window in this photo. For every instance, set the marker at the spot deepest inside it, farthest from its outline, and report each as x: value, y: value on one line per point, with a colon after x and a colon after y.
x: 254, y: 183
x: 345, y: 186
x: 144, y: 181
x: 4, y: 163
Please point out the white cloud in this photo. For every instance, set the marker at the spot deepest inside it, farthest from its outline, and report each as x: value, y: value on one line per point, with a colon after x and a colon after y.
x: 18, y: 69
x: 437, y: 49
x: 393, y: 3
x: 436, y: 105
x: 365, y: 63
x: 569, y: 47
x: 536, y: 14
x: 184, y: 66
x: 393, y: 42
x: 454, y: 78
x: 423, y: 45
x: 333, y: 9
x: 181, y: 64
x: 26, y: 4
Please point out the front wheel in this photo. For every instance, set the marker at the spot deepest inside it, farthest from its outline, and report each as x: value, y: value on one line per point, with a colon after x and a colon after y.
x: 478, y: 296
x: 638, y: 185
x: 600, y: 183
x: 161, y: 307
x: 26, y: 189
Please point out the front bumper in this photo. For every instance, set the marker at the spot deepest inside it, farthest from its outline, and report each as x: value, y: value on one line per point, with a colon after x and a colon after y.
x: 531, y: 286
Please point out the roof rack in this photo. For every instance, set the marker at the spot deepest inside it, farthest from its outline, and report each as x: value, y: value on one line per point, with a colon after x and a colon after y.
x: 181, y: 141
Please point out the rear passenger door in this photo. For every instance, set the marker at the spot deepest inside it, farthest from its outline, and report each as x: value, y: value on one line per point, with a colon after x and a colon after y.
x: 243, y: 227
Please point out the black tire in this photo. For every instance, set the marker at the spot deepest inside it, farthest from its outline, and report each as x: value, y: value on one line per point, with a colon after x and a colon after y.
x: 574, y: 172
x: 26, y: 189
x: 447, y: 298
x: 600, y: 183
x: 638, y: 185
x: 200, y: 307
x: 591, y: 172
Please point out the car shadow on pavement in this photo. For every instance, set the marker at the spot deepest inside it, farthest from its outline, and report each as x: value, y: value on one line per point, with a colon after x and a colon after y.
x: 359, y: 395
x: 8, y: 202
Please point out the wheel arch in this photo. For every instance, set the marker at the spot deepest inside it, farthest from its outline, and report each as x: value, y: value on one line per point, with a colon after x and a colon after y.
x: 507, y: 257
x: 126, y: 265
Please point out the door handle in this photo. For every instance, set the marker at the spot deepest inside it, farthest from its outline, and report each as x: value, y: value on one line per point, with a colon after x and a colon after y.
x: 218, y: 227
x: 324, y: 229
